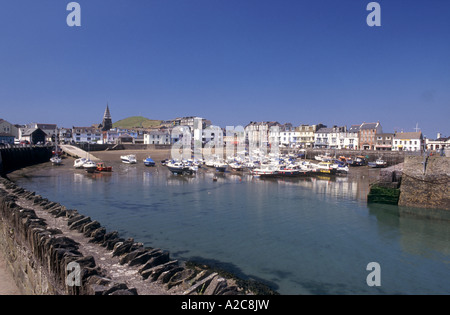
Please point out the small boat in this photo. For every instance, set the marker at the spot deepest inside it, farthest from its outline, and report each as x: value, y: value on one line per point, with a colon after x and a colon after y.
x: 180, y: 168
x: 358, y: 161
x: 129, y: 159
x: 265, y: 171
x: 326, y: 168
x: 149, y: 162
x: 78, y: 163
x: 379, y: 163
x: 56, y: 160
x: 90, y: 166
x: 101, y: 167
x: 235, y: 166
x: 220, y: 166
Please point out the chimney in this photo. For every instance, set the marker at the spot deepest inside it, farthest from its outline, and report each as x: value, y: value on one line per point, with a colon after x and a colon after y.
x: 438, y: 135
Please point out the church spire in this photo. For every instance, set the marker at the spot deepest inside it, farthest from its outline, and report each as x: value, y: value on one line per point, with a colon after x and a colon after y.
x: 107, y: 121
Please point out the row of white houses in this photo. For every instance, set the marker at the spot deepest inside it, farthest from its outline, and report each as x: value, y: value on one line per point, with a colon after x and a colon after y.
x: 366, y: 136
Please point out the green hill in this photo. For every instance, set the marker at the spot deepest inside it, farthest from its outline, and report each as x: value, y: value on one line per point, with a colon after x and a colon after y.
x: 136, y: 122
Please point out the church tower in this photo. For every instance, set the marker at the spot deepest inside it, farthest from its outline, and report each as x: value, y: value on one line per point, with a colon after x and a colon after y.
x: 107, y: 121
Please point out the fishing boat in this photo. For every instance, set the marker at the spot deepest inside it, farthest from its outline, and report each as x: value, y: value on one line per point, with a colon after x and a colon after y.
x: 129, y: 159
x: 149, y: 162
x: 379, y: 163
x: 101, y: 167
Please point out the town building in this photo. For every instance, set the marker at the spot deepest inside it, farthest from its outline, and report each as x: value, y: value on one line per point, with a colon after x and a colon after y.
x: 288, y: 135
x: 367, y: 135
x: 86, y: 135
x: 6, y: 138
x: 305, y: 135
x: 157, y: 137
x: 33, y: 135
x: 261, y: 134
x: 321, y: 138
x: 50, y: 130
x: 384, y: 141
x: 408, y: 141
x: 8, y: 128
x: 351, y: 138
x: 438, y: 144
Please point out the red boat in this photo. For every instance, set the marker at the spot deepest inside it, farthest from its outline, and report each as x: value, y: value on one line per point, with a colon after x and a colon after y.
x: 101, y: 167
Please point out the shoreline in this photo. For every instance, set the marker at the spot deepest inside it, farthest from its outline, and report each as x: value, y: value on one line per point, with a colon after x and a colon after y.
x: 104, y: 258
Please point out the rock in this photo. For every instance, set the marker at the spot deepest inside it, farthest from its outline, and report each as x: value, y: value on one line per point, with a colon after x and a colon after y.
x: 155, y: 272
x: 157, y: 258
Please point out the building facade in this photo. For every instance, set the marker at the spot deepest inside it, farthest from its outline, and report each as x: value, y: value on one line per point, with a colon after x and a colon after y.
x: 408, y: 141
x: 367, y: 135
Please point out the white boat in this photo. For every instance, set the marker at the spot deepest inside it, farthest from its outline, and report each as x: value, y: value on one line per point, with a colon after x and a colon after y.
x: 180, y: 168
x: 236, y: 166
x: 379, y: 163
x: 89, y: 165
x: 56, y: 160
x: 265, y: 171
x: 129, y: 159
x: 78, y: 163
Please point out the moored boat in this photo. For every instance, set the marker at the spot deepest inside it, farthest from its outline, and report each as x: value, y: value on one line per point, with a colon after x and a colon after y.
x: 56, y: 160
x: 149, y: 162
x: 129, y: 159
x: 265, y: 171
x: 326, y: 168
x: 101, y: 167
x: 379, y: 163
x: 78, y: 163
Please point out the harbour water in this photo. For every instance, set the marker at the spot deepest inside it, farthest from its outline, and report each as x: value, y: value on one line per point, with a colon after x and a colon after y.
x: 313, y: 235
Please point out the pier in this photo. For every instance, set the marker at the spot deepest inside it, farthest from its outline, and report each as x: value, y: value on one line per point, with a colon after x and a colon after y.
x: 77, y: 152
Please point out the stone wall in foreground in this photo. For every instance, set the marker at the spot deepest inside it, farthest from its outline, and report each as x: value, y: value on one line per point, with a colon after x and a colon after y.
x: 426, y: 182
x: 42, y: 256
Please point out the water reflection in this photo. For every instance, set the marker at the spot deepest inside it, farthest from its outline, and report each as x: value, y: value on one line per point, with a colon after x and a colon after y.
x: 303, y: 235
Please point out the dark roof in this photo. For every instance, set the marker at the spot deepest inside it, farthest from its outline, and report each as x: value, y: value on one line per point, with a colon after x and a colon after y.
x: 369, y: 126
x: 354, y: 128
x: 30, y: 131
x: 324, y: 130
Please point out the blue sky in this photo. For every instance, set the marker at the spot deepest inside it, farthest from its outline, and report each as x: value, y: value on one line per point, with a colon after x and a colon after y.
x: 230, y: 61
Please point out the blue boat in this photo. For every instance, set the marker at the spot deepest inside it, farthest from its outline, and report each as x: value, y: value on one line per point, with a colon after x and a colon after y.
x: 149, y: 162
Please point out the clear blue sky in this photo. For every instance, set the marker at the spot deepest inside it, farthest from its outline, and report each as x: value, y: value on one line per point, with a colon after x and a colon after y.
x: 230, y: 61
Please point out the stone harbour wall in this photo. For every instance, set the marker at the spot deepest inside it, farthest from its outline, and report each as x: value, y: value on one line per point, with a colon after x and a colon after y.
x: 49, y: 248
x: 426, y: 182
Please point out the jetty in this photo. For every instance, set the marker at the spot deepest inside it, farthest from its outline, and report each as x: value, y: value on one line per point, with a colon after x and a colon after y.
x: 419, y: 182
x: 76, y: 152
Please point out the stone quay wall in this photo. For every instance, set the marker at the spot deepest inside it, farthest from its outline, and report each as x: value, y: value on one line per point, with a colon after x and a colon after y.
x: 426, y: 182
x: 15, y: 158
x: 53, y: 250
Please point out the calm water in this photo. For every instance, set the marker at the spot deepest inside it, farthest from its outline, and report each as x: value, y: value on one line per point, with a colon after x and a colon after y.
x: 302, y: 236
